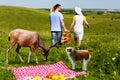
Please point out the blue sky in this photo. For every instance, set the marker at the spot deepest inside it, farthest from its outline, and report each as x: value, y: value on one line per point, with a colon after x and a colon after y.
x: 101, y: 4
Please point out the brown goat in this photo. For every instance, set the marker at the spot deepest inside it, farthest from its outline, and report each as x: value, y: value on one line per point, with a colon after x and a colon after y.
x: 25, y: 38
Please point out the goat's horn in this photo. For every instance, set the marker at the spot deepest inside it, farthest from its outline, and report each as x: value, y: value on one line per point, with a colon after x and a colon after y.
x: 42, y: 47
x: 55, y: 45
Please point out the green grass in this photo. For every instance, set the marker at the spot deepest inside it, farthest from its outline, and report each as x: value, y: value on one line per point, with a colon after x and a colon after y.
x: 102, y: 38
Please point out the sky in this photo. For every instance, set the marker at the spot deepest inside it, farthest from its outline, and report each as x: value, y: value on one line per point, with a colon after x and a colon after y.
x: 86, y: 4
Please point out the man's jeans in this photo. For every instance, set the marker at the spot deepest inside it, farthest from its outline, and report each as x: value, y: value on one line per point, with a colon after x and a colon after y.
x: 56, y: 35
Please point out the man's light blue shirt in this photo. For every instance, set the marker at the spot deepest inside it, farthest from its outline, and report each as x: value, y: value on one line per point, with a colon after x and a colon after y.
x: 55, y: 23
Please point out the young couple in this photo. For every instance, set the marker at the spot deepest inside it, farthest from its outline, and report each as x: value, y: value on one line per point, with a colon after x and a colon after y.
x: 57, y: 23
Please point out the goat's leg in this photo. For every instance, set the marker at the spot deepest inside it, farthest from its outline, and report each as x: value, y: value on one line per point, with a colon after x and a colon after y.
x: 8, y: 50
x: 34, y: 50
x: 17, y: 50
x: 30, y: 52
x: 36, y: 57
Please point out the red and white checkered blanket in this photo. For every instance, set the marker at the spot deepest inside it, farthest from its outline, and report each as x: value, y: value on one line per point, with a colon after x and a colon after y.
x: 44, y: 70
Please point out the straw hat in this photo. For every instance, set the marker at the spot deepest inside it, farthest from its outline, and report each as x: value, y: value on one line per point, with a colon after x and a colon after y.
x: 78, y: 10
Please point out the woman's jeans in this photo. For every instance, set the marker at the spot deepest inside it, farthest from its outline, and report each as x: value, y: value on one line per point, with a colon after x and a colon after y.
x: 56, y: 35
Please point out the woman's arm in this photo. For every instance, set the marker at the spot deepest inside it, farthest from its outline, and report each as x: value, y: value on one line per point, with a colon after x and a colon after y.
x: 86, y: 22
x: 72, y: 24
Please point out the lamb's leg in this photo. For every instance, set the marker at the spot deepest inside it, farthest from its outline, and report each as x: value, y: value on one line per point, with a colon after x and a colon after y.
x: 30, y: 52
x: 8, y: 50
x: 85, y: 62
x: 17, y: 50
x: 73, y: 64
x: 72, y: 60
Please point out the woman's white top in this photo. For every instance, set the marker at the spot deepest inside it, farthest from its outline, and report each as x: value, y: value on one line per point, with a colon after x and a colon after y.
x: 78, y: 27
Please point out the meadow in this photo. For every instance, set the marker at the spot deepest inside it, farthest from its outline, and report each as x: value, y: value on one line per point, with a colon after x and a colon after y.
x: 103, y: 38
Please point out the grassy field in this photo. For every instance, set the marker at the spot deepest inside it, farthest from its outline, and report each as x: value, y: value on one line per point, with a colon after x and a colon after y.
x: 103, y: 38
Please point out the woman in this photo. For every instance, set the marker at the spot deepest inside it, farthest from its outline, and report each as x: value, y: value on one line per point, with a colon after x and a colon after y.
x: 77, y: 23
x: 57, y: 23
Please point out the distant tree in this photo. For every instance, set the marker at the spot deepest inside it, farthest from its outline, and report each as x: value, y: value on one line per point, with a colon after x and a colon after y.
x: 100, y: 12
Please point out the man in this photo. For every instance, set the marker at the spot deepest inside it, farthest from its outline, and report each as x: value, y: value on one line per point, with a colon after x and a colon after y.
x: 56, y: 23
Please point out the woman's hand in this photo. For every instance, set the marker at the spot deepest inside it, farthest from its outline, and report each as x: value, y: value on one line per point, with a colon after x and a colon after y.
x: 65, y: 30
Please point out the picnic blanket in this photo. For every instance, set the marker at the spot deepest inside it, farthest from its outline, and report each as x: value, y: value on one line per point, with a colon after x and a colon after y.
x: 44, y: 70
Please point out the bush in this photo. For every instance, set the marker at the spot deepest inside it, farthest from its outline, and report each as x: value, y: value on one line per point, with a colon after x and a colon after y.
x: 100, y: 12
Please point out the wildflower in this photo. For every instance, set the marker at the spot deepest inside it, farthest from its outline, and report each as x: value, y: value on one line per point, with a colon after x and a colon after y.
x: 114, y: 72
x: 113, y: 59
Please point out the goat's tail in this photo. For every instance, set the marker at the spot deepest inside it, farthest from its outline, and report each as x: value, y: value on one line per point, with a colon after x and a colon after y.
x: 9, y: 38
